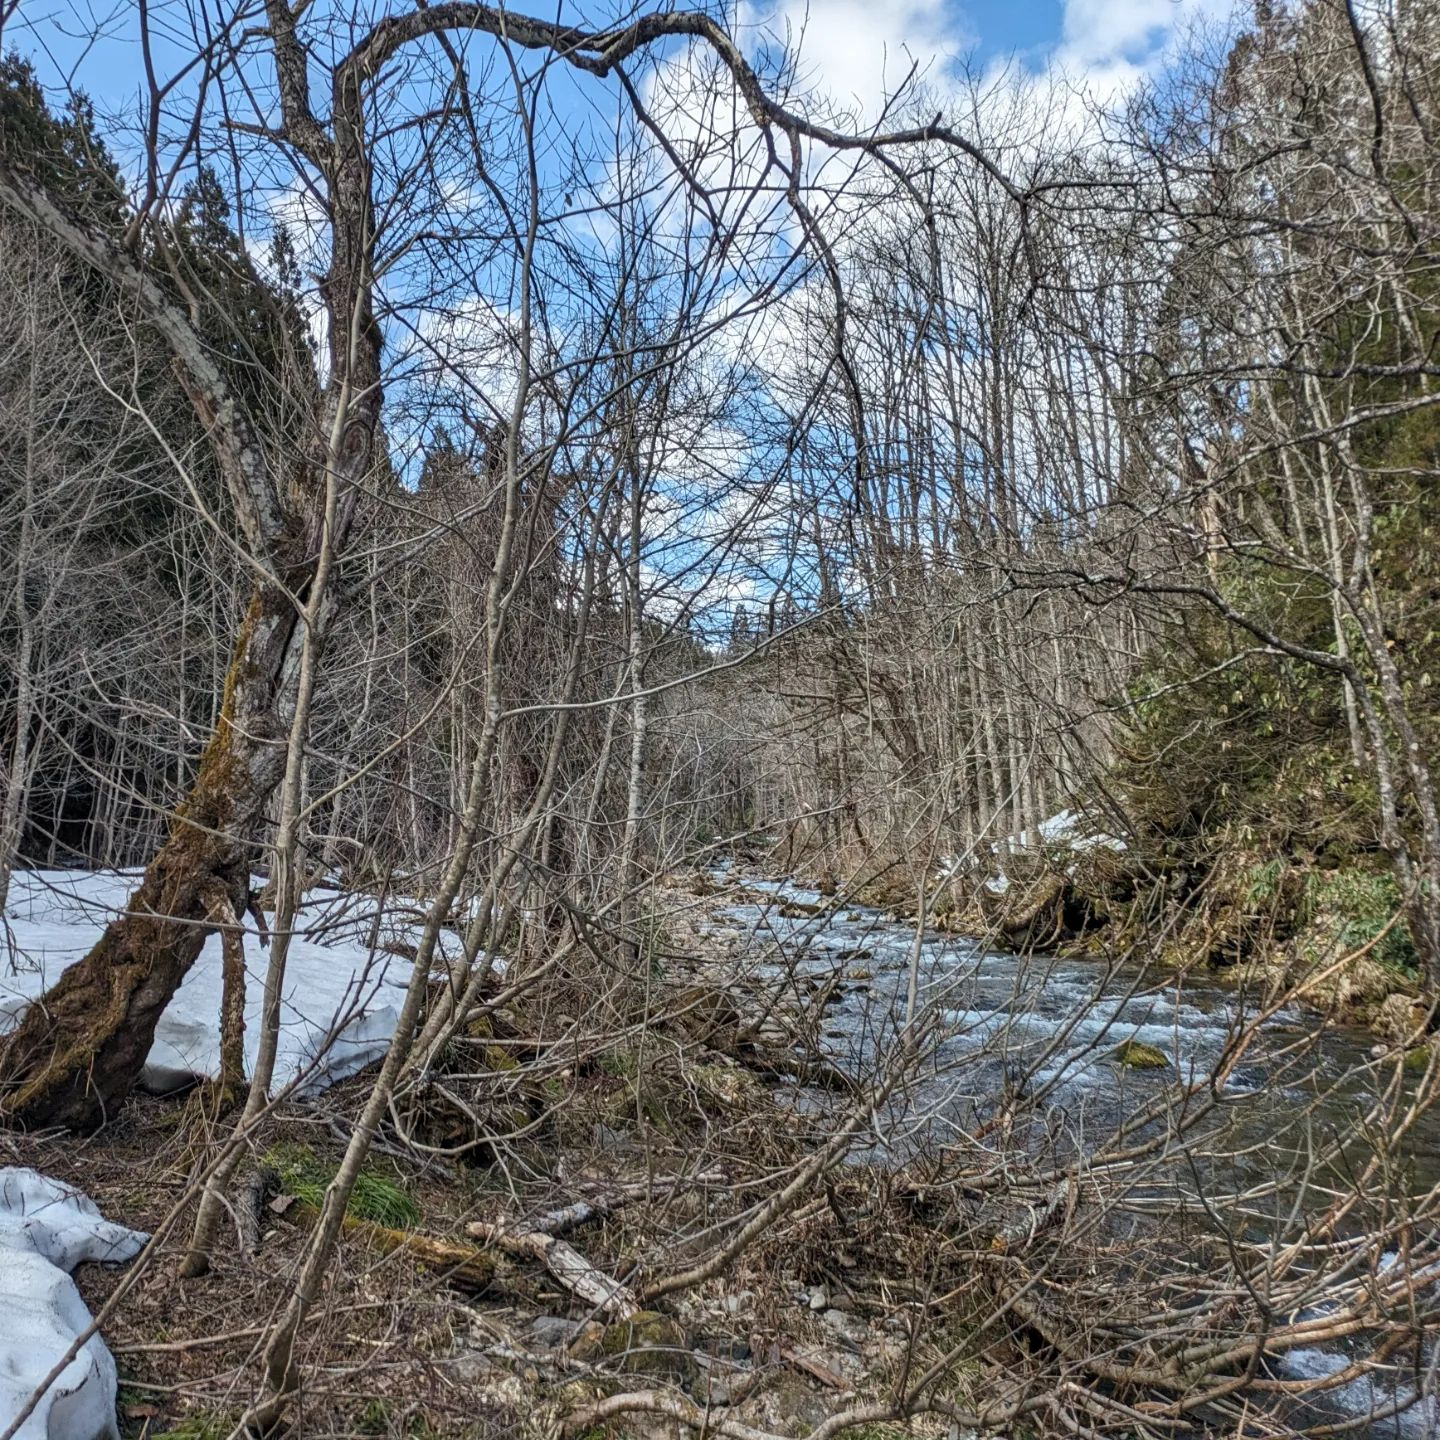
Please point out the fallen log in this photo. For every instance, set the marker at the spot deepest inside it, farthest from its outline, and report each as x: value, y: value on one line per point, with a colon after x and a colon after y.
x: 657, y: 1185
x: 1017, y: 1234
x: 816, y: 1368
x: 249, y: 1203
x: 605, y: 1197
x: 461, y: 1264
x: 571, y: 1217
x: 564, y: 1262
x: 1047, y: 894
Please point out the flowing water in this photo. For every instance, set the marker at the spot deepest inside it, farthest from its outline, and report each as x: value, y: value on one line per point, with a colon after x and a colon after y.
x: 1043, y: 1032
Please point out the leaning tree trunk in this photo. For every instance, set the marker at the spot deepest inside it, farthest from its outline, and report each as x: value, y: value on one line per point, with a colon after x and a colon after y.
x: 79, y: 1051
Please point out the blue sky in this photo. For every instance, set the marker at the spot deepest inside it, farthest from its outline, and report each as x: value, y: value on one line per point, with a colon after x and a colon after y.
x: 856, y: 51
x: 1001, y: 26
x: 852, y: 47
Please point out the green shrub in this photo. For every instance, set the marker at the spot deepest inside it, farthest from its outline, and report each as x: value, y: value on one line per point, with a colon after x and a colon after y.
x: 1263, y: 882
x: 1359, y: 904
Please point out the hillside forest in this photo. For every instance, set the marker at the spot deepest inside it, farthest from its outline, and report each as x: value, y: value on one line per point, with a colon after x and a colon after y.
x: 676, y: 762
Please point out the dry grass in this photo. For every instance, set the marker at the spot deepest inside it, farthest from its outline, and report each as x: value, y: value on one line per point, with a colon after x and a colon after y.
x: 392, y: 1350
x: 187, y: 1350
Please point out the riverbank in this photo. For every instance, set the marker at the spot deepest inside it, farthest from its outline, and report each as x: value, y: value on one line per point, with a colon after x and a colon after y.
x: 447, y: 1316
x: 633, y: 1146
x: 718, y: 1194
x: 1334, y: 940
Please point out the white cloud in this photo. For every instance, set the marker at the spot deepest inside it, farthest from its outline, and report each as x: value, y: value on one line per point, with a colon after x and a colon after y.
x: 1107, y: 48
x: 1103, y: 35
x: 858, y: 52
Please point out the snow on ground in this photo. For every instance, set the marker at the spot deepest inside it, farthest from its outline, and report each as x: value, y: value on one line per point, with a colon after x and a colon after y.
x: 334, y: 981
x: 1062, y: 831
x: 46, y: 1230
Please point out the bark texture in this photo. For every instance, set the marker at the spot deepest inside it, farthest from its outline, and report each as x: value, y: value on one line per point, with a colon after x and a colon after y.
x: 82, y: 1045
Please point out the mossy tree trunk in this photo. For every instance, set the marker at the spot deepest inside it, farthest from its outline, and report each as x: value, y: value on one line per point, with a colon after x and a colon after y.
x: 232, y: 1001
x: 79, y: 1050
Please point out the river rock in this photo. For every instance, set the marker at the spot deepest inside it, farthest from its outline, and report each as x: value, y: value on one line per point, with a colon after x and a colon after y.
x: 789, y: 1406
x: 649, y: 1343
x: 1136, y: 1056
x: 848, y: 1327
x: 555, y: 1332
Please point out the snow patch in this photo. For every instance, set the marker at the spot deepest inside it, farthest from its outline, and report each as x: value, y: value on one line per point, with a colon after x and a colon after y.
x: 46, y: 1230
x: 341, y: 998
x: 1063, y: 831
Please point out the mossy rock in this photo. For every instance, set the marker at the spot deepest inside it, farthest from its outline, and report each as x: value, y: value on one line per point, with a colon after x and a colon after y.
x: 649, y: 1343
x: 1136, y: 1056
x: 497, y: 1057
x: 1419, y: 1058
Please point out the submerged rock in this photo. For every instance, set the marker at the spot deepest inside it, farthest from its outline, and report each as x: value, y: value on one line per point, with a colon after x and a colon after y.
x: 800, y: 910
x: 1137, y: 1056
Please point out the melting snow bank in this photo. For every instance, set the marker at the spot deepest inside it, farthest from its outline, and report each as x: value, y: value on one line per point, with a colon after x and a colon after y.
x: 46, y: 1230
x: 343, y: 983
x: 1064, y: 831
